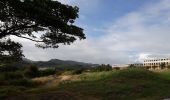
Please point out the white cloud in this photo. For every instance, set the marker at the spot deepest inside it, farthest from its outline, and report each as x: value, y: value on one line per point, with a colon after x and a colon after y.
x: 137, y: 35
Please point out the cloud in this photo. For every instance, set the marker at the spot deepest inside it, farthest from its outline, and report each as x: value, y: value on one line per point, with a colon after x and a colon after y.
x: 131, y: 38
x: 146, y: 30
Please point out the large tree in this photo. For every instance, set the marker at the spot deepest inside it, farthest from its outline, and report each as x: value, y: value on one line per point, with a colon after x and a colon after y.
x: 51, y: 20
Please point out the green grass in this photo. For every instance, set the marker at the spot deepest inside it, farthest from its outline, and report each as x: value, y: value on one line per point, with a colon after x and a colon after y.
x: 165, y: 74
x: 128, y: 84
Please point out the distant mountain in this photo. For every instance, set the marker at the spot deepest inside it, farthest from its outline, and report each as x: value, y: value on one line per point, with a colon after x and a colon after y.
x: 56, y: 63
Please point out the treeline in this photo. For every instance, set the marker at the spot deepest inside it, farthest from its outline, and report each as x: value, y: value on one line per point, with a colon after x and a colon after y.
x: 102, y: 67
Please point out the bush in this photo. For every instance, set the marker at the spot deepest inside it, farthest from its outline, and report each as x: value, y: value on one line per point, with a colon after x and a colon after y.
x: 162, y: 65
x: 148, y: 67
x: 13, y: 75
x: 102, y: 68
x: 154, y: 67
x: 8, y: 68
x: 22, y: 82
x: 168, y: 66
x: 5, y: 91
x: 132, y: 66
x: 116, y: 68
x: 47, y: 72
x: 78, y: 71
x: 32, y: 72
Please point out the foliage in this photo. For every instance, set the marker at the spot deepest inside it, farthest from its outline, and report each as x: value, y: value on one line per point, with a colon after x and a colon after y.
x: 13, y: 75
x: 25, y: 18
x: 168, y: 66
x: 78, y: 71
x: 47, y: 72
x: 116, y: 68
x: 5, y: 91
x: 131, y: 66
x: 154, y: 67
x: 125, y: 84
x: 162, y: 65
x: 10, y: 51
x: 148, y: 67
x: 102, y: 67
x: 8, y: 68
x: 32, y: 71
x: 22, y: 82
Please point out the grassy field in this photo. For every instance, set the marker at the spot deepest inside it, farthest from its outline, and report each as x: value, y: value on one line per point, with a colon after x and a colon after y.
x: 128, y: 84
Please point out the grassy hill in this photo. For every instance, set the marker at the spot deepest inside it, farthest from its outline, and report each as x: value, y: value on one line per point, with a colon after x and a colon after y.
x: 128, y: 84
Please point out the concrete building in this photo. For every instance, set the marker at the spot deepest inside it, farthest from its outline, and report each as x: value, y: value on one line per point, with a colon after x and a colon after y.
x: 156, y: 62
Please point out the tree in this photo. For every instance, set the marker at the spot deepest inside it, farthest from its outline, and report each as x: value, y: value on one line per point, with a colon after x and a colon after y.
x: 51, y: 20
x: 154, y: 67
x: 131, y: 66
x: 103, y: 67
x: 162, y: 65
x: 10, y: 51
x: 32, y: 71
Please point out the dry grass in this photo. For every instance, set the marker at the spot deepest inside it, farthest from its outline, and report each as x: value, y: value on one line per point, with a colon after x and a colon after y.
x: 52, y: 80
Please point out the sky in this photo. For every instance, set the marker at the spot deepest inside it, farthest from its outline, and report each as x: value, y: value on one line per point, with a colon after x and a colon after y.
x: 117, y: 31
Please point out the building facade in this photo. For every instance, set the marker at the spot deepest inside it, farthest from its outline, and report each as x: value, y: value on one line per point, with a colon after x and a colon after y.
x: 156, y: 62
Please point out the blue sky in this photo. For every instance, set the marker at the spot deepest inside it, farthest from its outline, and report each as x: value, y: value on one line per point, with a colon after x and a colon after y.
x: 106, y: 11
x: 118, y: 32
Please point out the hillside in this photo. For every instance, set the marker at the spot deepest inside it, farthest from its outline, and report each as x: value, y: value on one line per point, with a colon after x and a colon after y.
x: 56, y: 63
x: 128, y: 84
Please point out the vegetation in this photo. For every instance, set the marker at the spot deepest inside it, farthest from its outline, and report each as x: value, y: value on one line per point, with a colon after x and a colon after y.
x: 126, y: 84
x: 168, y: 66
x: 116, y: 68
x: 162, y: 65
x: 131, y: 66
x: 102, y: 67
x: 25, y: 18
x: 32, y: 71
x: 154, y: 67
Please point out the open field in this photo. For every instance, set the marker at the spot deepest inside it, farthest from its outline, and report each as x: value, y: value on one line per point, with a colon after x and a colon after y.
x: 127, y: 84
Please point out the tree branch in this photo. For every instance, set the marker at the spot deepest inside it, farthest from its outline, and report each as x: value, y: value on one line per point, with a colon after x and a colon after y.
x: 29, y: 38
x: 13, y: 29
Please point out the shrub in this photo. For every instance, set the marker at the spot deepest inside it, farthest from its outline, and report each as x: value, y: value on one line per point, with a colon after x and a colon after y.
x: 78, y: 71
x: 13, y: 75
x: 162, y: 65
x: 168, y: 66
x: 148, y: 67
x: 22, y: 82
x: 132, y: 66
x: 5, y: 91
x: 67, y: 72
x: 47, y: 72
x: 102, y: 68
x: 32, y: 72
x: 154, y: 67
x: 116, y: 68
x: 8, y: 68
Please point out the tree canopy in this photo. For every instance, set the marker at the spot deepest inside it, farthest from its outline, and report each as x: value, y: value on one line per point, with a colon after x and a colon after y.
x: 51, y: 20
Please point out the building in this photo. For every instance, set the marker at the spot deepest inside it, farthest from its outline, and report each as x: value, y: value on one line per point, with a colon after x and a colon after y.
x: 156, y: 62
